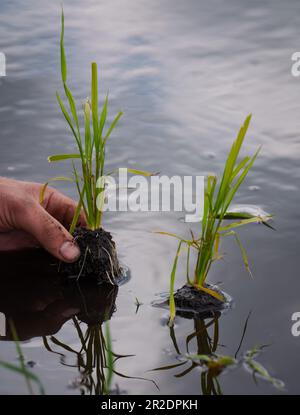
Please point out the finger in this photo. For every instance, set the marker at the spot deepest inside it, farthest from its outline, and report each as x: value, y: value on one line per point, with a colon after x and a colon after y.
x: 48, y: 232
x: 62, y: 208
x: 17, y: 240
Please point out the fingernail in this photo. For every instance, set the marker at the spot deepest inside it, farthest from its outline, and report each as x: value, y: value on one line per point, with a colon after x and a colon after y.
x: 70, y: 251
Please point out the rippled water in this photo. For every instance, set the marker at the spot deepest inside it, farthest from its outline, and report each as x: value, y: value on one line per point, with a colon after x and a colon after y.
x: 185, y: 74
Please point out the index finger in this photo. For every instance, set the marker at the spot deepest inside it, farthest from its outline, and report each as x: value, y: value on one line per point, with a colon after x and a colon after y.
x: 62, y: 208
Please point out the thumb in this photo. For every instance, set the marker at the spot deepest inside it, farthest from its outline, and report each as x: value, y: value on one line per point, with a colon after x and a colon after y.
x: 49, y: 233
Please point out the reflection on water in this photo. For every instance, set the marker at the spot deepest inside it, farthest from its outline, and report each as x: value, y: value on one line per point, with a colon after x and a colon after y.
x: 208, y: 360
x: 185, y: 74
x: 47, y: 302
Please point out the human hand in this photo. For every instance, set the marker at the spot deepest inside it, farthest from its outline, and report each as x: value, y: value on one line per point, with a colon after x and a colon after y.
x: 24, y: 222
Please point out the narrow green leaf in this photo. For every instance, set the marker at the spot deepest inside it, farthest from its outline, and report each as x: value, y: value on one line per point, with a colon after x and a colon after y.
x: 239, y: 167
x: 63, y: 60
x: 81, y: 193
x: 132, y: 171
x: 255, y: 219
x: 230, y: 163
x: 60, y: 157
x: 211, y: 292
x: 174, y: 236
x: 172, y: 287
x: 243, y: 251
x: 75, y: 217
x: 87, y: 129
x: 140, y: 172
x: 54, y: 179
x: 244, y: 215
x: 73, y: 109
x: 240, y: 180
x: 67, y: 116
x: 112, y: 126
x: 103, y: 116
x: 26, y: 373
x: 94, y: 94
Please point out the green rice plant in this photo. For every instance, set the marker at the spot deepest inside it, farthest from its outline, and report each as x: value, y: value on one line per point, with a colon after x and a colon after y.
x: 91, y: 145
x: 21, y: 369
x: 217, y: 199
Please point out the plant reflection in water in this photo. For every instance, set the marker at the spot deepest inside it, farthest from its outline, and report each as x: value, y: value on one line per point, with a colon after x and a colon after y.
x: 207, y: 359
x: 36, y: 299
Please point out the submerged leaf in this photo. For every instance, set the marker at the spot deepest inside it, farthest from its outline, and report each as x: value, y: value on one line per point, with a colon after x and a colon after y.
x: 258, y: 370
x: 214, y: 361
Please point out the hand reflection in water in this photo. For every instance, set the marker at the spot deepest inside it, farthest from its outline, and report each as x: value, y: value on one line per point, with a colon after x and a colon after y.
x: 35, y: 298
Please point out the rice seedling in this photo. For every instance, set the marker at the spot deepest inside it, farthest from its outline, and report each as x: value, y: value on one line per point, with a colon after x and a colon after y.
x: 91, y: 141
x: 218, y: 197
x: 91, y: 145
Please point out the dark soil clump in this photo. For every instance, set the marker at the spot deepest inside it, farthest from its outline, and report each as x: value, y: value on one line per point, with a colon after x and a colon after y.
x: 98, y: 260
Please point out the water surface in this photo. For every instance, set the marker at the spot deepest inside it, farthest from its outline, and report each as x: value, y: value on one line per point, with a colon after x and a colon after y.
x: 185, y: 74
